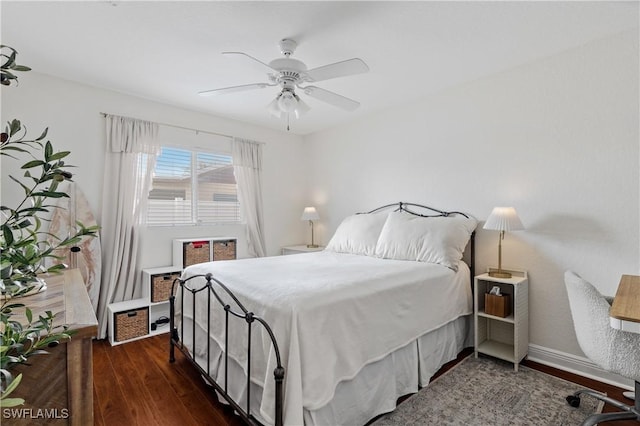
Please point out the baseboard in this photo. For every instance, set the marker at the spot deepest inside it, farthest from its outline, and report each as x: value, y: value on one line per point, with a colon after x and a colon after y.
x: 577, y: 365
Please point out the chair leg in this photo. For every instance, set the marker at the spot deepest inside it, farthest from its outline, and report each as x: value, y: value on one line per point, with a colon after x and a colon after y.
x: 627, y: 413
x: 597, y: 395
x: 595, y: 419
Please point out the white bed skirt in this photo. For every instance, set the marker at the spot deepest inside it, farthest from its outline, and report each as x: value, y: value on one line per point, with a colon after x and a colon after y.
x: 374, y: 390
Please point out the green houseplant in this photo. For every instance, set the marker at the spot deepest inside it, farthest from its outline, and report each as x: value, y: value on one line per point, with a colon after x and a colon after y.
x: 24, y: 244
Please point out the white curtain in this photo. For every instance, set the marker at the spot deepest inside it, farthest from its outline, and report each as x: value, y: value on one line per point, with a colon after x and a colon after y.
x: 130, y: 160
x: 247, y: 168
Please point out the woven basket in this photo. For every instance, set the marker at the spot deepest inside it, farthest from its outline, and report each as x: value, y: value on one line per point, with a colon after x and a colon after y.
x: 130, y: 324
x: 161, y: 285
x: 196, y: 252
x: 224, y: 250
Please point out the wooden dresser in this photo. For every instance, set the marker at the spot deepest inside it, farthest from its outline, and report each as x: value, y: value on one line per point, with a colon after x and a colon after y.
x: 58, y: 387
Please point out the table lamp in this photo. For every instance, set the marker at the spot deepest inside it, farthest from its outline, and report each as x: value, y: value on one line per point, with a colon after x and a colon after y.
x: 502, y: 219
x: 310, y: 214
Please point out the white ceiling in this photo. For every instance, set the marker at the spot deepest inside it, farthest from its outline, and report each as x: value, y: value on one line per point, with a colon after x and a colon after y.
x: 169, y: 50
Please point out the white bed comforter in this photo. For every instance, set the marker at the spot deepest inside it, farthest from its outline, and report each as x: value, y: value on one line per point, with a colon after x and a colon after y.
x: 331, y: 313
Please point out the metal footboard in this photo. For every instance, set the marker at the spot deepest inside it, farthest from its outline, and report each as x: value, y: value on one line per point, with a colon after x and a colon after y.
x: 242, y: 313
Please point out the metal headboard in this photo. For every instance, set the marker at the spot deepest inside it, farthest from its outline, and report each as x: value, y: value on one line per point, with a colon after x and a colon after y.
x: 431, y: 212
x: 406, y: 207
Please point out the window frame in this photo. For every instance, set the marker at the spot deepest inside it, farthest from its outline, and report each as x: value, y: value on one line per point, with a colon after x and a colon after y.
x: 195, y: 201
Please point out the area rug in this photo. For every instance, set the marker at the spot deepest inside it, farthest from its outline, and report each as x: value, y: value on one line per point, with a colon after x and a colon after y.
x: 486, y: 391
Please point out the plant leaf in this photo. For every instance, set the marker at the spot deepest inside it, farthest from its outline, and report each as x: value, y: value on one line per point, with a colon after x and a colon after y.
x: 12, y: 386
x: 27, y: 190
x: 33, y: 163
x: 48, y: 150
x: 14, y: 127
x: 59, y: 155
x: 7, y: 234
x: 11, y: 402
x: 50, y: 194
x: 43, y: 135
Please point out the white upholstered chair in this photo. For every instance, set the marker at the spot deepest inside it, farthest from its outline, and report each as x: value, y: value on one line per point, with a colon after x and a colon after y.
x: 613, y: 350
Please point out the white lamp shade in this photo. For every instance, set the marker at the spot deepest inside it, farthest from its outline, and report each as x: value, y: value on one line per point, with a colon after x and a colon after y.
x: 301, y: 108
x: 287, y: 102
x: 274, y: 109
x: 503, y: 219
x: 310, y: 213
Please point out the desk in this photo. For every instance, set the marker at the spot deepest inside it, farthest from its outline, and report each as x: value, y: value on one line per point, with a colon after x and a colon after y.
x: 625, y: 315
x: 62, y: 381
x: 625, y: 310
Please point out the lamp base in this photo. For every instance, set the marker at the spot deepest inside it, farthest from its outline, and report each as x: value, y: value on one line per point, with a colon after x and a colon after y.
x: 497, y: 273
x: 312, y: 246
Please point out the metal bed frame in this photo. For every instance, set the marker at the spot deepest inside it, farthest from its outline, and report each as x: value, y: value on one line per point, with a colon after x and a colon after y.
x: 249, y: 317
x: 241, y: 312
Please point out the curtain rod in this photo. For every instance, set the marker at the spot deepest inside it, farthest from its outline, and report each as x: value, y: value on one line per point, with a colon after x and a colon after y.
x: 104, y: 114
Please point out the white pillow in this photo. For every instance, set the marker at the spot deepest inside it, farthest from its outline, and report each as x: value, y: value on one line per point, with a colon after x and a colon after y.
x: 425, y: 239
x: 358, y: 234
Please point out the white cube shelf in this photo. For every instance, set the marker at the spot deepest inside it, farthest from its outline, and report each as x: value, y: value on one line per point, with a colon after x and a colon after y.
x: 189, y: 251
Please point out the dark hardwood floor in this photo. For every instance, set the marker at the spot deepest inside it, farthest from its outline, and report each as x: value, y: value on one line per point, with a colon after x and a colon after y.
x: 134, y: 384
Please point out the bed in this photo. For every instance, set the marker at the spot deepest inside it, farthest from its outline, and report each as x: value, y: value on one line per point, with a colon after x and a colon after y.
x: 336, y: 336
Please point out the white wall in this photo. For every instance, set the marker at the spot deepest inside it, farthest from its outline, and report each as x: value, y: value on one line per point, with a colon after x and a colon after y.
x: 557, y: 139
x: 72, y: 113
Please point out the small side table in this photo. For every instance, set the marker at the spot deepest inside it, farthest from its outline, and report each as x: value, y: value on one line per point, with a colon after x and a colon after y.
x: 302, y: 248
x: 506, y: 337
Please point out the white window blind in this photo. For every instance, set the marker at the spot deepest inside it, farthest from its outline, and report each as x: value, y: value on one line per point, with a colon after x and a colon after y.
x: 193, y: 187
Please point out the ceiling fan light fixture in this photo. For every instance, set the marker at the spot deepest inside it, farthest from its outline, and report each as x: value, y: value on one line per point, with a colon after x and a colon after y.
x: 287, y: 101
x: 302, y: 108
x: 274, y: 108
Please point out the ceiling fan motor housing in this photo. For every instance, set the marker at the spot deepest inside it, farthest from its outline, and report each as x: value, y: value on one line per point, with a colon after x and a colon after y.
x: 287, y: 46
x: 290, y: 71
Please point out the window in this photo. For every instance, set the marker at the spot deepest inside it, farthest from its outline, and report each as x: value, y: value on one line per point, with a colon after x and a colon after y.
x: 193, y: 187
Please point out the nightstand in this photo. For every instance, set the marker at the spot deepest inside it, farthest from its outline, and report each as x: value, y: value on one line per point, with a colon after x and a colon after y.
x: 300, y: 249
x: 501, y: 324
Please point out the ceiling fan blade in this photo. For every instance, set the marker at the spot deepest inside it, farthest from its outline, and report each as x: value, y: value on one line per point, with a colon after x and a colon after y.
x: 339, y: 69
x: 250, y: 57
x: 233, y: 89
x: 331, y: 98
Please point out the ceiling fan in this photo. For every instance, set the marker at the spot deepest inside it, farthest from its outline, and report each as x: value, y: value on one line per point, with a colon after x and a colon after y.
x: 291, y: 74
